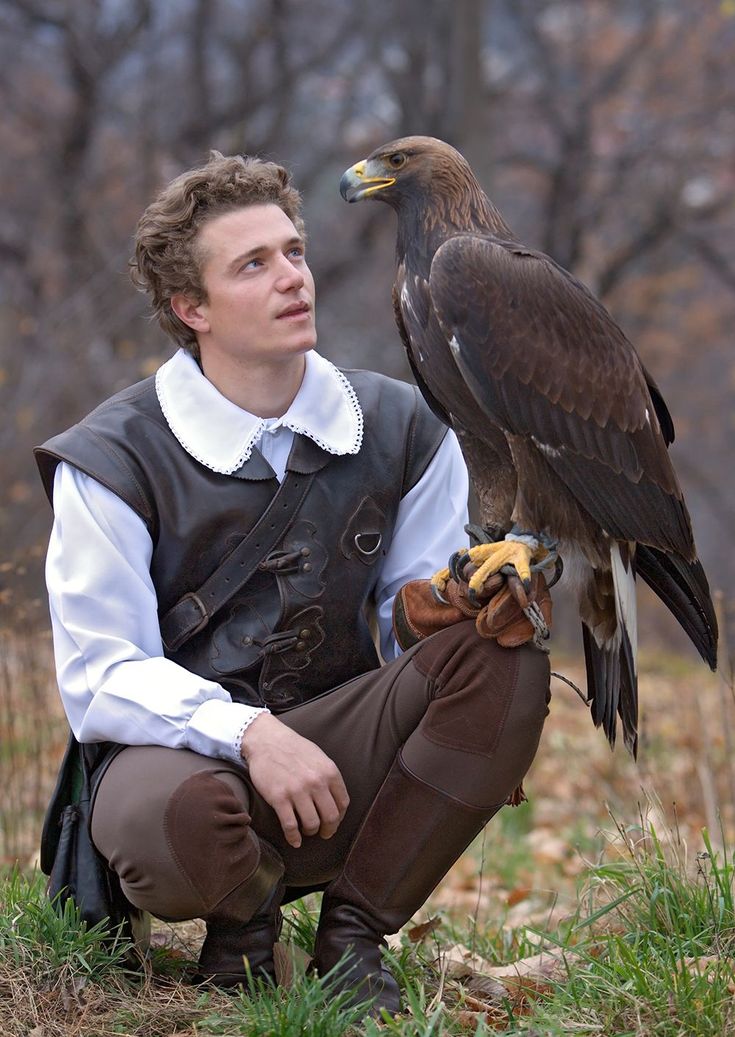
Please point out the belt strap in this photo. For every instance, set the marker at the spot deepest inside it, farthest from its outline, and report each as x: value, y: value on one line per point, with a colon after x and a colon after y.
x: 193, y: 612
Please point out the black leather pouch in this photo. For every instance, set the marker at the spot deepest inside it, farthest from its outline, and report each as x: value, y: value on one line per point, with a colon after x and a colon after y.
x: 76, y: 871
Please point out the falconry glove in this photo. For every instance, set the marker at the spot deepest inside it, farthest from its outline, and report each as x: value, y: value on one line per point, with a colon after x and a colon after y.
x: 497, y: 609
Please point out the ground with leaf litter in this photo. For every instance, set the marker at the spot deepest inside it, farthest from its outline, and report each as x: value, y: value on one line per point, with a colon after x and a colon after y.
x: 558, y: 919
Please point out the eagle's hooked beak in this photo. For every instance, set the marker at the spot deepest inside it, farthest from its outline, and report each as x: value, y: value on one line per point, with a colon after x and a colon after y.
x: 358, y: 182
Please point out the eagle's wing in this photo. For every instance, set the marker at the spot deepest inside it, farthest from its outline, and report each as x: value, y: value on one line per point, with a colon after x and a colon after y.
x: 432, y: 401
x: 545, y: 360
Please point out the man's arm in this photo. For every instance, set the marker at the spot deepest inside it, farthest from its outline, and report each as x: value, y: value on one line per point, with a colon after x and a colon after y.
x: 429, y: 528
x: 114, y: 680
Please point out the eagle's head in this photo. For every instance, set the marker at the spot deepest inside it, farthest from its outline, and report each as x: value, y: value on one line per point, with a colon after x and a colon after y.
x: 405, y: 168
x: 430, y: 185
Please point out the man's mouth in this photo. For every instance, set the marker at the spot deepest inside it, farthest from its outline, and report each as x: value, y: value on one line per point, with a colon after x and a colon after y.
x: 298, y: 309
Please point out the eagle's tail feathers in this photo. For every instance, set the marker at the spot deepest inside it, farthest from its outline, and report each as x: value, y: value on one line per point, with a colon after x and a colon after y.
x: 626, y: 608
x: 623, y: 574
x: 628, y: 707
x: 683, y: 588
x: 612, y: 687
x: 603, y: 682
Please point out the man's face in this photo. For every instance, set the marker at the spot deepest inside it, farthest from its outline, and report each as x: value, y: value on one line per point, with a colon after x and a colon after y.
x: 260, y: 292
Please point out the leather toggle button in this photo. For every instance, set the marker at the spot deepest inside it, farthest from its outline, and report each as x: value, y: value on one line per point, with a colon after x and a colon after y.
x: 306, y: 567
x: 300, y: 646
x: 306, y: 551
x: 247, y: 640
x: 305, y: 633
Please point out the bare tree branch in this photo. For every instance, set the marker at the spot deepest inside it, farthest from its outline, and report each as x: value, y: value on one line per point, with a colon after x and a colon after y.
x: 719, y: 264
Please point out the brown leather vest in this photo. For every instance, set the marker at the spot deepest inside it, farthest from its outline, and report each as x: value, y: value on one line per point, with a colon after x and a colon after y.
x: 300, y: 626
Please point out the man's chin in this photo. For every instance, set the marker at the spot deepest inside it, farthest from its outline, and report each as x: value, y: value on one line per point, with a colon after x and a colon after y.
x: 305, y: 343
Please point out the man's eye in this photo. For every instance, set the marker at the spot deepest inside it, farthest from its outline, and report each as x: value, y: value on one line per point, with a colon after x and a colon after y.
x: 297, y: 251
x: 251, y: 264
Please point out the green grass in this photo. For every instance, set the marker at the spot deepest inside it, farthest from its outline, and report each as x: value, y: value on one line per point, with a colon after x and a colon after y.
x: 656, y: 947
x: 310, y: 1008
x: 650, y: 952
x: 49, y: 945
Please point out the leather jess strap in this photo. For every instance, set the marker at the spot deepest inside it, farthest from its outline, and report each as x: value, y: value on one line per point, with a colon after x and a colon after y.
x: 193, y: 612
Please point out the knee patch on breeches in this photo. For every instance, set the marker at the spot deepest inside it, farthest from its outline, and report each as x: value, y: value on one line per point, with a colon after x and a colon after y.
x: 208, y: 833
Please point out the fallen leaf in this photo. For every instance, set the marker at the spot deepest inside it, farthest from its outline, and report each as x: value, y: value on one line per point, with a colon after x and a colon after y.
x: 516, y: 896
x: 534, y: 975
x: 420, y: 932
x: 460, y: 964
x: 496, y: 1019
x: 520, y: 980
x: 709, y: 965
x: 460, y: 961
x: 71, y: 993
x: 486, y: 987
x: 547, y: 964
x: 290, y: 961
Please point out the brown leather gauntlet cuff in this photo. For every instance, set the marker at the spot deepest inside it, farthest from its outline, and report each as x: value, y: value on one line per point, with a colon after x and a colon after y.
x: 417, y: 613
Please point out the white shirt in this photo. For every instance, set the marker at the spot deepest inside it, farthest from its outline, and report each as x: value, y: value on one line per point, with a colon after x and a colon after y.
x: 114, y: 681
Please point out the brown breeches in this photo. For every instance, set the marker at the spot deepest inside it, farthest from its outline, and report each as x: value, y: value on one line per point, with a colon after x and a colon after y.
x: 183, y: 831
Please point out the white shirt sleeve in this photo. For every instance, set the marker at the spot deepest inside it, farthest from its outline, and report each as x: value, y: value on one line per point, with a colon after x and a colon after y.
x: 114, y: 681
x: 429, y: 527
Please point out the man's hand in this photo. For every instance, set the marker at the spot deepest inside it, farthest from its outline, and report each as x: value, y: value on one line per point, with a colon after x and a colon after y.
x: 296, y: 778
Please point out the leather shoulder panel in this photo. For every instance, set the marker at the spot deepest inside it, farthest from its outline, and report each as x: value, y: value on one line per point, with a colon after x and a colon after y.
x: 102, y: 445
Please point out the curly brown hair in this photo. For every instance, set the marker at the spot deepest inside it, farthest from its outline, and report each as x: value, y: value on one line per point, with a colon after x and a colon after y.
x: 166, y: 260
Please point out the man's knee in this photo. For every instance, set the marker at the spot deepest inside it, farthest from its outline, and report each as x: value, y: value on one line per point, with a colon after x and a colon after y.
x: 208, y: 833
x: 179, y: 845
x: 480, y: 690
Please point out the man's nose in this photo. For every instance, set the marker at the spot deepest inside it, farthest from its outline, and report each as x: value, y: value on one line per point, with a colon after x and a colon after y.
x: 289, y: 276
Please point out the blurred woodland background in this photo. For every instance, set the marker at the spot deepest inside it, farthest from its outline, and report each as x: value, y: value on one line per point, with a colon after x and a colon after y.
x: 603, y: 129
x: 605, y: 132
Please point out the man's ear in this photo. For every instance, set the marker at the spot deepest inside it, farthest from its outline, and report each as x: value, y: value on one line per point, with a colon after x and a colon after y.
x: 190, y: 312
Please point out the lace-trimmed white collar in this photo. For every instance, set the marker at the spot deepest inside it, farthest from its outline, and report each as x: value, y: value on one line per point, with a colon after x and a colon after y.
x: 221, y: 435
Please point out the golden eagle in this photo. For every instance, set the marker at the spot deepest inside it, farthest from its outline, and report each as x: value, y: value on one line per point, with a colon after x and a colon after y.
x: 564, y: 431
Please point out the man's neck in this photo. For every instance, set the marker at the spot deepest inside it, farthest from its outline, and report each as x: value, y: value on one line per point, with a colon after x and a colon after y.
x: 266, y: 389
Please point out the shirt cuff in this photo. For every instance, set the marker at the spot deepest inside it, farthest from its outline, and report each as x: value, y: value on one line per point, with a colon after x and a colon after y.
x: 216, y: 728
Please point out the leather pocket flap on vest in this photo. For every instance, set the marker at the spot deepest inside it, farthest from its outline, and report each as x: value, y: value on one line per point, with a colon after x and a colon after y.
x: 363, y: 538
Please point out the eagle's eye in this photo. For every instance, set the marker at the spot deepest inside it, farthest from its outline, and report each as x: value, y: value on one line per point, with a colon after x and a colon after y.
x: 396, y: 160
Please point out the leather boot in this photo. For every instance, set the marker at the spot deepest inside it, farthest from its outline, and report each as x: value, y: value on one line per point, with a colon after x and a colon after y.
x: 411, y: 836
x: 237, y: 930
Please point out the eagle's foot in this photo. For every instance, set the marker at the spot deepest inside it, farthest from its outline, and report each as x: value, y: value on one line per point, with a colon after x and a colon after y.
x: 510, y: 556
x: 491, y: 558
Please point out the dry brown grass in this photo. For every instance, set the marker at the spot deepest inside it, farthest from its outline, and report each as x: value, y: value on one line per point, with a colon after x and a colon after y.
x: 33, y: 734
x: 149, y: 1007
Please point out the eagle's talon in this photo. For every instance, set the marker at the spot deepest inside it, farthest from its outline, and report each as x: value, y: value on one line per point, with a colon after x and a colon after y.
x: 438, y: 596
x: 558, y: 571
x: 457, y: 563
